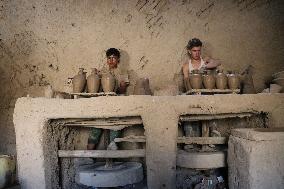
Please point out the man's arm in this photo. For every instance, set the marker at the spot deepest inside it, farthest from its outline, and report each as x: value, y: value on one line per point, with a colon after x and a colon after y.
x: 211, y: 63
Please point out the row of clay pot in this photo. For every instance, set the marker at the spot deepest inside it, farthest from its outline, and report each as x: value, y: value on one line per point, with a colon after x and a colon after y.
x: 210, y: 80
x: 93, y: 81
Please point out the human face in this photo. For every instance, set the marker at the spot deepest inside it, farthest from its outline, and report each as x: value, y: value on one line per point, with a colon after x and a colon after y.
x: 195, y: 53
x: 112, y: 61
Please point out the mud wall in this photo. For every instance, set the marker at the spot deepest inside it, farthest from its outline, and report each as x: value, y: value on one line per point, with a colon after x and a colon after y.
x: 45, y: 42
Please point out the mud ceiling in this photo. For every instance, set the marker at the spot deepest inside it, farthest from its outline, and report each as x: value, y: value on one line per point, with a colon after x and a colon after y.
x: 45, y: 42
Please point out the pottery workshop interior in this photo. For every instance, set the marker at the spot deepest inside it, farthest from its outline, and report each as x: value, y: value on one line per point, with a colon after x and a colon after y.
x: 142, y: 94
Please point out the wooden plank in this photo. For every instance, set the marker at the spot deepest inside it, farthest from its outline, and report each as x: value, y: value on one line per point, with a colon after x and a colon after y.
x: 200, y: 117
x: 185, y: 140
x: 104, y: 122
x: 102, y: 153
x: 131, y: 139
x: 94, y: 94
x: 202, y: 140
x: 213, y: 91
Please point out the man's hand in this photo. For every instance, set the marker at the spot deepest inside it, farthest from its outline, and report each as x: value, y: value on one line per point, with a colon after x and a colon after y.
x: 211, y: 63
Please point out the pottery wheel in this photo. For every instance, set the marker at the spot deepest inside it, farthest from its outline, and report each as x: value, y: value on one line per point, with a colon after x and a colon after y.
x: 120, y: 174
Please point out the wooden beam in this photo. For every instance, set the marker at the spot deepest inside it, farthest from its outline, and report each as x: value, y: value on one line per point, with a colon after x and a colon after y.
x: 200, y: 117
x: 185, y: 140
x: 131, y: 138
x: 101, y: 153
x: 202, y: 140
x: 103, y: 122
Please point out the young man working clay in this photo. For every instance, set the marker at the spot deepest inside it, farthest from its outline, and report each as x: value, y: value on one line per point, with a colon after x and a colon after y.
x: 112, y: 66
x: 195, y: 61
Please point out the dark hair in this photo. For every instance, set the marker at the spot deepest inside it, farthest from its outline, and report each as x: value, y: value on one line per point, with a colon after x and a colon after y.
x: 113, y: 51
x: 194, y: 43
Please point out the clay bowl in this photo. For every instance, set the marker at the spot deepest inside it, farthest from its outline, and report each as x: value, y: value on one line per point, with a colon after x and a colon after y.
x: 278, y: 75
x: 279, y: 81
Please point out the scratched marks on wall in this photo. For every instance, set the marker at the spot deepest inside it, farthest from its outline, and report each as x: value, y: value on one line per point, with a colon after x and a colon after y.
x: 252, y: 4
x: 205, y: 9
x: 143, y: 61
x: 152, y: 11
x: 20, y: 50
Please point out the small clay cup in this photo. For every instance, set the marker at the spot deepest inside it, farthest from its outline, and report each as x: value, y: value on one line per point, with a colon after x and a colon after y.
x: 79, y: 81
x: 195, y: 79
x: 93, y: 81
x: 108, y: 82
x: 221, y: 80
x: 209, y: 80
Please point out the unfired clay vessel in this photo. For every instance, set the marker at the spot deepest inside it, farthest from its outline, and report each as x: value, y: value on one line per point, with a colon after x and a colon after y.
x: 221, y: 80
x: 209, y: 80
x: 178, y: 79
x: 93, y: 81
x: 79, y: 81
x: 7, y: 170
x: 108, y: 82
x: 195, y: 79
x: 142, y: 87
x: 234, y: 81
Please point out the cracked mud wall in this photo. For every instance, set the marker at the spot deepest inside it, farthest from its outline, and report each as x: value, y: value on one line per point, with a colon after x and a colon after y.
x: 45, y: 42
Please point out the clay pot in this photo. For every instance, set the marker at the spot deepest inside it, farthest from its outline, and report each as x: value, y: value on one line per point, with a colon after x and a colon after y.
x: 48, y: 92
x: 142, y: 87
x: 93, y: 81
x: 221, y: 80
x: 7, y: 170
x: 209, y: 80
x: 247, y: 84
x: 146, y: 84
x: 234, y: 81
x: 178, y: 79
x: 108, y: 82
x: 79, y: 81
x: 195, y: 79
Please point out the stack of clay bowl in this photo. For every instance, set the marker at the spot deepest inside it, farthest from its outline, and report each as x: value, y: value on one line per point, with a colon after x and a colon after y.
x: 93, y: 82
x: 278, y: 80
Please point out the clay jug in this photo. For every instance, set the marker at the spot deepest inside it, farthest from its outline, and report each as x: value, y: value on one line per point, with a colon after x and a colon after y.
x: 79, y: 81
x: 139, y: 87
x: 233, y: 81
x: 93, y: 81
x: 108, y: 82
x: 178, y: 79
x: 7, y: 170
x: 221, y: 80
x: 195, y: 79
x: 209, y: 80
x: 48, y: 91
x: 146, y: 84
